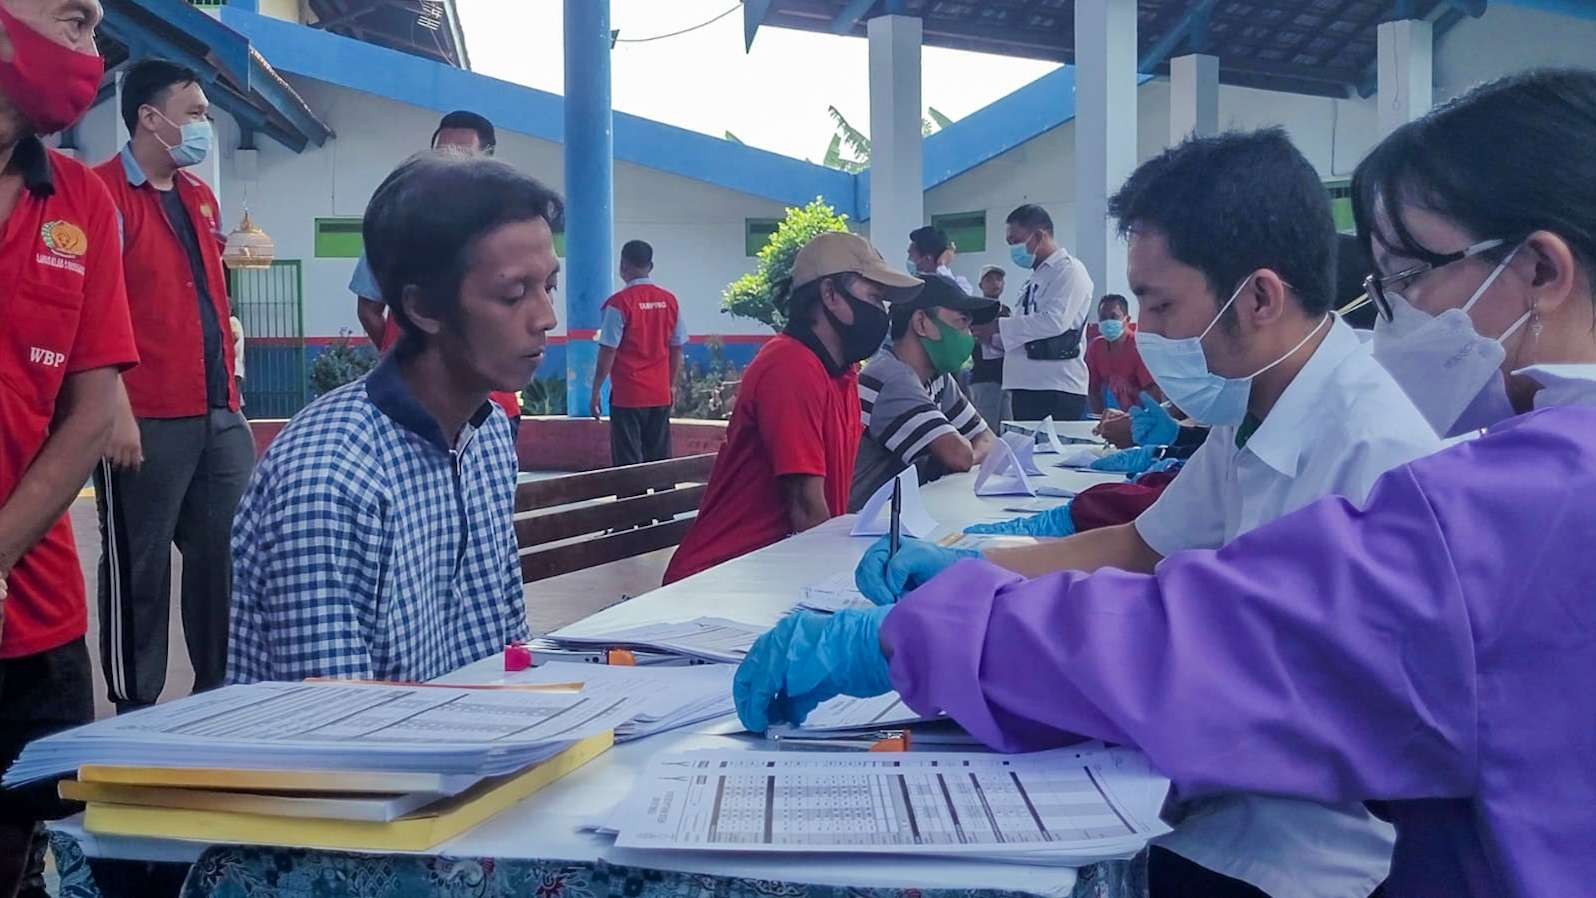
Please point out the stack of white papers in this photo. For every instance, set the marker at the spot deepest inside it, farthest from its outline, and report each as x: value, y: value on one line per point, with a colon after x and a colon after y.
x: 833, y: 594
x: 1066, y: 807
x: 656, y: 699
x: 705, y: 638
x: 333, y: 726
x: 846, y: 715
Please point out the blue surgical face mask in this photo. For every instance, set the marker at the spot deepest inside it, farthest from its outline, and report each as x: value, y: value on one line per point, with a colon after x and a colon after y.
x: 1111, y: 329
x: 194, y: 144
x: 1022, y: 255
x: 1181, y: 369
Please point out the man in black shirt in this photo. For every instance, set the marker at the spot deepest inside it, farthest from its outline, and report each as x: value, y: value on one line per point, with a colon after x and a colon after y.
x: 181, y: 452
x: 986, y: 373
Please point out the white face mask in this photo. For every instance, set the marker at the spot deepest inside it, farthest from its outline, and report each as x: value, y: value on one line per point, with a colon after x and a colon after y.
x: 1450, y: 372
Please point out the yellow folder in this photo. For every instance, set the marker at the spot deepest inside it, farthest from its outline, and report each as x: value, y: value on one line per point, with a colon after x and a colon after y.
x: 431, y: 826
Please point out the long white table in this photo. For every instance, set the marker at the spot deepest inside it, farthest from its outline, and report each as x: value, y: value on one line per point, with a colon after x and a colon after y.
x: 758, y: 588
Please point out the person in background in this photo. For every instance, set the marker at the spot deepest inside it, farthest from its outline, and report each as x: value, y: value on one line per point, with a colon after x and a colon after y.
x: 1239, y: 334
x: 64, y: 336
x: 462, y: 133
x: 181, y: 452
x: 641, y: 342
x: 788, y: 461
x: 914, y: 411
x: 1043, y: 369
x: 1116, y: 377
x: 238, y: 355
x: 376, y: 541
x: 931, y: 252
x: 986, y: 371
x: 1426, y: 652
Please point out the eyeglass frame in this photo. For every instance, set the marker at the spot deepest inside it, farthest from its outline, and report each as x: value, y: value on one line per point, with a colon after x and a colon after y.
x: 1375, y: 286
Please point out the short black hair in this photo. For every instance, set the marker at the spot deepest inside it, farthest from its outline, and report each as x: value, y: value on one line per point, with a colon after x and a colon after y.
x: 147, y: 83
x: 800, y: 302
x: 1114, y: 299
x: 1503, y: 161
x: 426, y: 217
x: 900, y: 314
x: 1232, y: 204
x: 638, y: 254
x: 929, y: 241
x: 1032, y: 217
x: 466, y: 120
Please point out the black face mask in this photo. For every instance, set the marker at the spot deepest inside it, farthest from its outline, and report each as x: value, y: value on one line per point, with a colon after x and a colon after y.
x: 864, y: 337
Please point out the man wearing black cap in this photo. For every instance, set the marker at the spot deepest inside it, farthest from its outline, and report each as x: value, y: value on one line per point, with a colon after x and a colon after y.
x: 914, y: 411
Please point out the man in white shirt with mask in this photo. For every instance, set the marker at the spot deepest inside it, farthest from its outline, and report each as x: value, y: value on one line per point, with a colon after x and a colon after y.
x: 1231, y: 254
x: 1044, y: 345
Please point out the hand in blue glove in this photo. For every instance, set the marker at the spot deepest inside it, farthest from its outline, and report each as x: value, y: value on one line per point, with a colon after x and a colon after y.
x: 1055, y: 522
x: 806, y: 659
x: 917, y: 561
x: 1151, y: 423
x: 1128, y: 461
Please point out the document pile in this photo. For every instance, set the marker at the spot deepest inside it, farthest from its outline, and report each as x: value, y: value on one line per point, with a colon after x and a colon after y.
x: 704, y: 639
x: 657, y: 699
x: 323, y: 764
x: 1065, y: 807
x: 833, y: 594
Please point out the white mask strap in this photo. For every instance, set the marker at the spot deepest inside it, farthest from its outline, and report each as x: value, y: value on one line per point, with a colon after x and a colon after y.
x: 1514, y: 329
x: 1244, y: 282
x: 1501, y: 267
x: 1293, y: 350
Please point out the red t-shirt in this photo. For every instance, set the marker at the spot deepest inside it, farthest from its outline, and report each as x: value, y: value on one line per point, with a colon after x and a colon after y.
x: 1117, y: 367
x: 641, y: 377
x: 63, y: 310
x: 792, y: 417
x: 507, y: 401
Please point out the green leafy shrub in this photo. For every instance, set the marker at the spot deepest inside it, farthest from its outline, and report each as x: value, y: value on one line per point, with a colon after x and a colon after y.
x: 761, y: 294
x: 340, y: 364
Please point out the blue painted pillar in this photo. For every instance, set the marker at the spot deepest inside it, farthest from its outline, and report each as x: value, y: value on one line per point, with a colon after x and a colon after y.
x: 589, y: 191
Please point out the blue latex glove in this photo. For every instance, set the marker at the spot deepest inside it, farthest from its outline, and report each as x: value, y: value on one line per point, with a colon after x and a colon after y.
x: 1128, y: 461
x: 1055, y: 522
x: 806, y: 659
x: 1151, y: 424
x: 916, y: 562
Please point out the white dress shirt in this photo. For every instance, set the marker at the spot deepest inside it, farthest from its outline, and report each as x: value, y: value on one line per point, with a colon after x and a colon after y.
x: 1057, y: 298
x: 1339, y: 425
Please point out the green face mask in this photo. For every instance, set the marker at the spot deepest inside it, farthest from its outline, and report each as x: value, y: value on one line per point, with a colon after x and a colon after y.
x: 951, y: 352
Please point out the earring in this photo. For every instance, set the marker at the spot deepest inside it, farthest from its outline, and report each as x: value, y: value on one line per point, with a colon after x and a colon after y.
x: 1535, y: 325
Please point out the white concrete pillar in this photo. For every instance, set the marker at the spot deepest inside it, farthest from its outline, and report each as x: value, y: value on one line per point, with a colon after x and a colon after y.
x: 1406, y: 72
x: 1193, y: 96
x: 122, y: 135
x: 1105, y: 132
x: 897, y: 163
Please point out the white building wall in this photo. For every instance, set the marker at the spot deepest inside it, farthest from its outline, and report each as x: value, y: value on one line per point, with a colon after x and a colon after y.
x: 696, y: 229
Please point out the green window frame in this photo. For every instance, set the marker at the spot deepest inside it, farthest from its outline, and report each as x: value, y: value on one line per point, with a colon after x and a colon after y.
x: 339, y: 238
x: 1340, y: 193
x: 757, y: 232
x: 966, y: 230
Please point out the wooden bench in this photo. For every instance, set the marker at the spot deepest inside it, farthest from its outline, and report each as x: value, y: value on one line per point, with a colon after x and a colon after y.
x: 571, y: 523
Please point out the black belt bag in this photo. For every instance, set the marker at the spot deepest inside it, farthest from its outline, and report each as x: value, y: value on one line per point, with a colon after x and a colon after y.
x: 1061, y: 348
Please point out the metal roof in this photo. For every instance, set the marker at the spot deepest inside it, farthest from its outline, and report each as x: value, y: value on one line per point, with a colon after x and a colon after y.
x: 1320, y: 47
x: 425, y: 28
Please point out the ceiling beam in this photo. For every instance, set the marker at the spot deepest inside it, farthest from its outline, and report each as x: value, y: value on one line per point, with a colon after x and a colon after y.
x: 850, y: 15
x: 1193, y: 23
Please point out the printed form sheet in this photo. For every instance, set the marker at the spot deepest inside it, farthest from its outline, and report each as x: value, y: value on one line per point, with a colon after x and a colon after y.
x: 936, y: 803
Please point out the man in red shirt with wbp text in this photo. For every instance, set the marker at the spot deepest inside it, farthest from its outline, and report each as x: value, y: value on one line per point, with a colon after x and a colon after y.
x: 640, y: 345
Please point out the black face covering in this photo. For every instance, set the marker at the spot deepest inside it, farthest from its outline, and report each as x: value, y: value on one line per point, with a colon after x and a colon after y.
x: 864, y: 337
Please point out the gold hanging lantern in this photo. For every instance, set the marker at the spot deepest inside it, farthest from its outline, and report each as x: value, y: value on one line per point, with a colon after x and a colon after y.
x: 248, y: 247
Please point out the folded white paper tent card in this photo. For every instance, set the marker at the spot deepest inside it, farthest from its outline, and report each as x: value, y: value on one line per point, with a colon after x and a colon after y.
x: 1054, y: 442
x: 876, y: 517
x: 1001, y: 473
x: 1024, y: 447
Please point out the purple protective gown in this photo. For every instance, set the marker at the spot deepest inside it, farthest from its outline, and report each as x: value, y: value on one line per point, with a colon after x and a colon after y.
x: 1434, y: 651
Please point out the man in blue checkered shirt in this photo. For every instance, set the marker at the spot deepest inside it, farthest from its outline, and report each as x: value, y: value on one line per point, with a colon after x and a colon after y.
x: 376, y: 539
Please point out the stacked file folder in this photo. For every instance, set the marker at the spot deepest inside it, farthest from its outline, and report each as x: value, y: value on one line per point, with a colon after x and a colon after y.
x: 329, y: 765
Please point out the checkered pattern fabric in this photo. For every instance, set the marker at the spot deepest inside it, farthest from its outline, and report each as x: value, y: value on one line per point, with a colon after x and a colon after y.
x: 364, y: 550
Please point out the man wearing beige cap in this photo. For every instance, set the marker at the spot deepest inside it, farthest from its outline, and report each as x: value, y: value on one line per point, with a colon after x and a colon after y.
x: 788, y: 459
